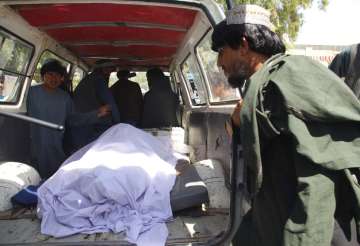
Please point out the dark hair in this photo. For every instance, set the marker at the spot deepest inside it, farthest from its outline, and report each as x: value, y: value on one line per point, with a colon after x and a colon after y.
x: 157, y: 79
x: 52, y: 66
x: 260, y: 38
x: 125, y: 74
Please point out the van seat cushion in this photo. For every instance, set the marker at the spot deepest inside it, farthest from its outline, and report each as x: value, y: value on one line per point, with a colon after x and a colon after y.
x: 189, y: 190
x: 211, y: 172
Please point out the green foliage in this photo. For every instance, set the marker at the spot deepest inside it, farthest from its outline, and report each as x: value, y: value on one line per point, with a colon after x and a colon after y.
x: 286, y: 15
x: 141, y: 79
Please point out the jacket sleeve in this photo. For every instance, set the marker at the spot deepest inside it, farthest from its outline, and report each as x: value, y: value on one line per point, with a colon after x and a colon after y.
x: 28, y: 102
x: 105, y: 96
x: 79, y: 119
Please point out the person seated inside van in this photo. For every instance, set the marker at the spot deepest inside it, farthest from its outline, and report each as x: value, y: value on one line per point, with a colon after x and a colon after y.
x: 66, y: 85
x: 91, y: 93
x: 160, y: 102
x: 49, y: 103
x: 128, y: 98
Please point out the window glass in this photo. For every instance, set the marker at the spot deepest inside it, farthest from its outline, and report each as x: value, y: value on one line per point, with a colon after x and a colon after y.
x: 112, y: 79
x: 10, y: 86
x: 15, y: 56
x: 79, y: 74
x: 46, y: 55
x: 220, y: 90
x: 141, y: 79
x: 193, y: 80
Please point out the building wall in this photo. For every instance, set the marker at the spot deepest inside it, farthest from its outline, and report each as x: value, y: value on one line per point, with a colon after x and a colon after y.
x: 321, y: 53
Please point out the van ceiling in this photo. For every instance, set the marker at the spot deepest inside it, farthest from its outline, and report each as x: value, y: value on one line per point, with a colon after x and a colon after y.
x: 133, y: 35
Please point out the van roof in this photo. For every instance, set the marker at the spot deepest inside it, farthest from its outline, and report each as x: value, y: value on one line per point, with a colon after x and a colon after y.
x: 133, y: 34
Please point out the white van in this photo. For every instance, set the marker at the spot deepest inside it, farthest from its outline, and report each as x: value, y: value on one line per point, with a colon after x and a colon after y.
x: 137, y: 35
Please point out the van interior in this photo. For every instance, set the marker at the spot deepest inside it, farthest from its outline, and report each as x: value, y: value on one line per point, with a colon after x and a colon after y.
x: 136, y: 35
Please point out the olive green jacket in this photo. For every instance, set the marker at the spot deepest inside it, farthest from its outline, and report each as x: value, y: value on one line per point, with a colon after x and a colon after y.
x: 300, y: 130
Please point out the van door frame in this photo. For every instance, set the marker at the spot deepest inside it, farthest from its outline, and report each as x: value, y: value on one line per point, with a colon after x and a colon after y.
x: 237, y: 174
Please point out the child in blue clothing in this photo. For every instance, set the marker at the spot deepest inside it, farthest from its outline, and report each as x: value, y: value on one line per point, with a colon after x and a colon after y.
x: 49, y: 103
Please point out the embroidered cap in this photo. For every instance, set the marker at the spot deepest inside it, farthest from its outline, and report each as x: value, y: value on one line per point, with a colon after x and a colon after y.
x: 249, y: 14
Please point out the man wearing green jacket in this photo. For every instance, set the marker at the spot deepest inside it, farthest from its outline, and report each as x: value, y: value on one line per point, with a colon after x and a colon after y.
x: 300, y: 132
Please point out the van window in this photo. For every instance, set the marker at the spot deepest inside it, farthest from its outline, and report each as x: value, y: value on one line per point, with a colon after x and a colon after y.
x: 193, y: 80
x: 220, y: 90
x: 79, y: 74
x: 15, y: 55
x: 141, y: 79
x: 44, y: 57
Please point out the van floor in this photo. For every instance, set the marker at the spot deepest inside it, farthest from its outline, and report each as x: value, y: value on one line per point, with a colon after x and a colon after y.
x: 24, y: 229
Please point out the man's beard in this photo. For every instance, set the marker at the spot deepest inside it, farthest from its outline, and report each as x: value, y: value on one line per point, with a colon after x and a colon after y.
x: 237, y: 80
x: 241, y: 74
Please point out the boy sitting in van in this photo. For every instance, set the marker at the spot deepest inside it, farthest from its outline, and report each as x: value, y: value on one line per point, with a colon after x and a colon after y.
x: 92, y: 92
x: 49, y: 103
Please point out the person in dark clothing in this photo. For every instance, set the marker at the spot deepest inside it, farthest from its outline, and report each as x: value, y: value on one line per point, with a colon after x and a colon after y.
x: 128, y: 98
x: 298, y: 125
x: 160, y: 102
x: 67, y: 85
x: 2, y: 86
x: 346, y: 65
x: 91, y: 93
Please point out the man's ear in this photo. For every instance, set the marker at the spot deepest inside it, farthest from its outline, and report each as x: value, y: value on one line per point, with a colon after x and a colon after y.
x: 244, y: 45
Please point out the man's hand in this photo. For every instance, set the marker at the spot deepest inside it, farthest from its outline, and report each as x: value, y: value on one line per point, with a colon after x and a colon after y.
x: 235, y: 117
x: 104, y: 111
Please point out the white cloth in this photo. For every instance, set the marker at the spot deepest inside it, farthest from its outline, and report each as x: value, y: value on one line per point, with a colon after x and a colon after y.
x: 120, y: 182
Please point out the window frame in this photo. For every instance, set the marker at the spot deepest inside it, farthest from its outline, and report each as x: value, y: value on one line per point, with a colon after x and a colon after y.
x: 202, y: 69
x: 26, y: 70
x: 187, y: 83
x: 177, y: 82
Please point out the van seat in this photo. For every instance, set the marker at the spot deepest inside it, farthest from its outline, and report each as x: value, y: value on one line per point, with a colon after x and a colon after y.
x: 189, y: 190
x: 212, y: 173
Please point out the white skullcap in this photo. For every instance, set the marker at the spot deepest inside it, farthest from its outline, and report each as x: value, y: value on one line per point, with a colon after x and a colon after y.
x: 249, y: 14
